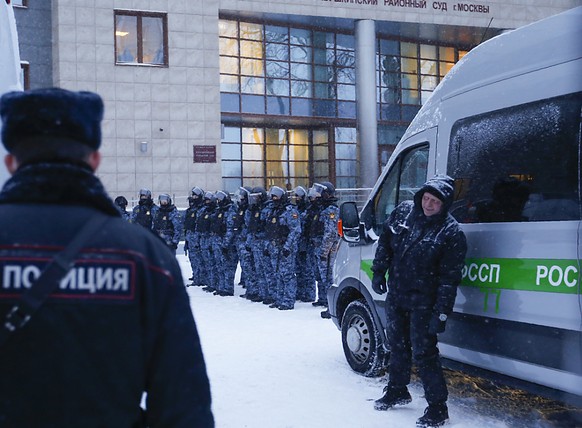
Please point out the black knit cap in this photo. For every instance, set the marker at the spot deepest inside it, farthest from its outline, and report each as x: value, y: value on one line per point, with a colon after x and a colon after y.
x: 51, y: 114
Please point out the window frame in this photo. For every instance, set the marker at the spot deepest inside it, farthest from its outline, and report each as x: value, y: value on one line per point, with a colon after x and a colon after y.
x: 139, y: 15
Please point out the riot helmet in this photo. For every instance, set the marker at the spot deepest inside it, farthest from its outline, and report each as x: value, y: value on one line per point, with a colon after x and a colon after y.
x: 222, y: 197
x: 145, y: 194
x: 277, y: 195
x: 241, y: 196
x: 299, y: 195
x: 329, y: 191
x: 316, y: 191
x: 197, y: 193
x: 164, y: 200
x: 209, y: 198
x: 257, y: 196
x: 121, y: 202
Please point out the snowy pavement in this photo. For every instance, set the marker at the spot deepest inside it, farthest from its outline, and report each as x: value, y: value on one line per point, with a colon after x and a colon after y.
x: 286, y: 369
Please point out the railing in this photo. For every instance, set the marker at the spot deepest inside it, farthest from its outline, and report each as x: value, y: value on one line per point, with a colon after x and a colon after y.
x: 357, y: 195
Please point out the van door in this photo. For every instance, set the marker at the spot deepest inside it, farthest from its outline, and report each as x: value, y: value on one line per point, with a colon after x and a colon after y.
x: 406, y: 172
x: 517, y: 174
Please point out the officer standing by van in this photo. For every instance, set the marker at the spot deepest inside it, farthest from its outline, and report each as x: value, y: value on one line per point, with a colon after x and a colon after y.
x: 121, y: 325
x: 423, y: 249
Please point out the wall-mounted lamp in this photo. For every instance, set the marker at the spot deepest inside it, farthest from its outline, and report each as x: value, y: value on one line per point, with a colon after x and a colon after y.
x: 143, y: 146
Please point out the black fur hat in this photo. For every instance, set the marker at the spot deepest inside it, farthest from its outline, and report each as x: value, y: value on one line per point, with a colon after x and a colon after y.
x: 51, y: 113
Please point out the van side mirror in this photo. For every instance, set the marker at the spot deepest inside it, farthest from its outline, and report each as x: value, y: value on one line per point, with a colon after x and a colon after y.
x: 350, y: 222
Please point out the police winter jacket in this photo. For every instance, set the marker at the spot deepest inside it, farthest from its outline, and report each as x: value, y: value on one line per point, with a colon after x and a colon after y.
x: 423, y: 255
x: 167, y: 224
x: 144, y: 213
x: 118, y: 325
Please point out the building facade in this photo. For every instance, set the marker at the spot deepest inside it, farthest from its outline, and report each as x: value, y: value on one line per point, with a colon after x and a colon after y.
x: 224, y: 93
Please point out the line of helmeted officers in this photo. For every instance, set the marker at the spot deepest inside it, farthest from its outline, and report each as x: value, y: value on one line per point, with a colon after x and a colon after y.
x: 285, y: 242
x: 163, y: 219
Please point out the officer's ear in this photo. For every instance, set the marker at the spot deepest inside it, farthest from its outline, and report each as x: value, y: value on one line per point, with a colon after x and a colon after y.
x: 94, y: 159
x: 11, y: 163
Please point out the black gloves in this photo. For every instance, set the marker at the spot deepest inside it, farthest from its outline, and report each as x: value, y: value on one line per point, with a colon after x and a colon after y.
x: 286, y: 252
x: 437, y: 323
x: 379, y: 283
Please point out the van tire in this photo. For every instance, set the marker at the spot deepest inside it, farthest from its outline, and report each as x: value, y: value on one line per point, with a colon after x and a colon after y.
x: 361, y: 340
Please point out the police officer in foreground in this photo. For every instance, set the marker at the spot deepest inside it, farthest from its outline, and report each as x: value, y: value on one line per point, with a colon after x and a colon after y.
x: 120, y: 325
x: 423, y: 249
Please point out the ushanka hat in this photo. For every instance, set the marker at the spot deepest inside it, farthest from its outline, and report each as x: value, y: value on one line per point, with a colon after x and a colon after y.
x: 51, y: 114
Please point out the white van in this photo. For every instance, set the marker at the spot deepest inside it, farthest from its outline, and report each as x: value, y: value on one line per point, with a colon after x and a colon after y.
x: 505, y: 124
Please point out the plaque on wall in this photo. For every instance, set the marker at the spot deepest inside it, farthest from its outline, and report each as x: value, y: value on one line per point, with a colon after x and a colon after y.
x: 204, y: 154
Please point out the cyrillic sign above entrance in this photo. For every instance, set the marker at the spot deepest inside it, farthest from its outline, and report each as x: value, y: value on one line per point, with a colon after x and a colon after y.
x: 442, y: 6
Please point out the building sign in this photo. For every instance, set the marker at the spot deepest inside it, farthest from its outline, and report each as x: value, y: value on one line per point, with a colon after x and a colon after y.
x: 441, y: 5
x: 204, y: 154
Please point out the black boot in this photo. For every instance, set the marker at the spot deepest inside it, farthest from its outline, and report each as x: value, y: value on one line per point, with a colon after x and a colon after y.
x: 435, y: 415
x: 393, y: 396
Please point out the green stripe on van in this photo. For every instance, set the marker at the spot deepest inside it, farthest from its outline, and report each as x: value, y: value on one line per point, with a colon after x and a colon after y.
x: 545, y: 275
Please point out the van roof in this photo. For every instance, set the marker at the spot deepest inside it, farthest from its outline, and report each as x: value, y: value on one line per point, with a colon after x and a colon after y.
x: 547, y: 42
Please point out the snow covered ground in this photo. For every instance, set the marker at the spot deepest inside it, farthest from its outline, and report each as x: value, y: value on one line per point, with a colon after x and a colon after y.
x: 286, y: 369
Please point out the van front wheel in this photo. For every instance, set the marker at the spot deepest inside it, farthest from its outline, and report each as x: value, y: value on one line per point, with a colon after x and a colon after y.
x: 361, y: 340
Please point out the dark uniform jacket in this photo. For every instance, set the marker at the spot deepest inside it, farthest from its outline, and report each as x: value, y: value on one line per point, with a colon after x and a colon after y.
x: 119, y: 323
x: 423, y: 255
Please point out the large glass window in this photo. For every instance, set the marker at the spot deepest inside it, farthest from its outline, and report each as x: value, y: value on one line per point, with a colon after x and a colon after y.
x: 346, y: 155
x: 281, y: 63
x: 518, y: 164
x: 141, y: 38
x: 408, y: 73
x: 267, y: 157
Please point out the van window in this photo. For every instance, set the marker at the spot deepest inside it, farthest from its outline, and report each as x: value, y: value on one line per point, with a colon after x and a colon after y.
x: 518, y: 164
x: 407, y: 175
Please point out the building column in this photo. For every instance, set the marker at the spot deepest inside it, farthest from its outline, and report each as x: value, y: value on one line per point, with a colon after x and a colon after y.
x: 366, y: 101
